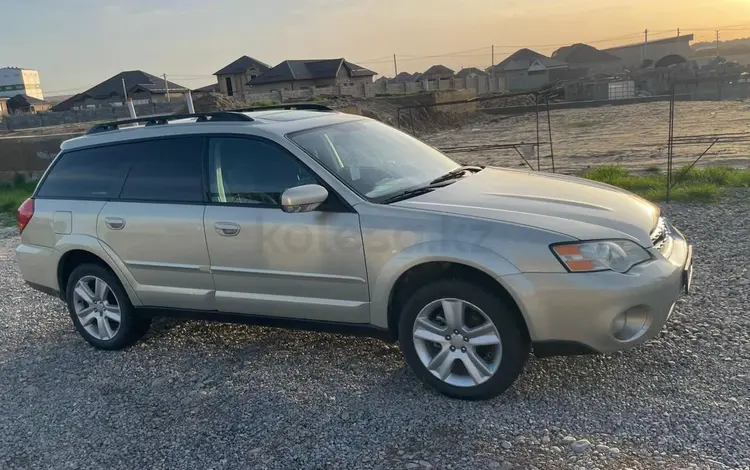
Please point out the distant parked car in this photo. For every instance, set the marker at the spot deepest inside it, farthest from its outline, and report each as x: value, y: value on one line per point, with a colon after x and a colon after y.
x: 301, y: 216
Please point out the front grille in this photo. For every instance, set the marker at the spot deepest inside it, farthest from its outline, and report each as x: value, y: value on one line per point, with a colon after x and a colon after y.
x: 660, y: 235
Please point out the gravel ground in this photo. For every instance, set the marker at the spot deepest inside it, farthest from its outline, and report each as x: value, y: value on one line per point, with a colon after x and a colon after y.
x: 215, y: 396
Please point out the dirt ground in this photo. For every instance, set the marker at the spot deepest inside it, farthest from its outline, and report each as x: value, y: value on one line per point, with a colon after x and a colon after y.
x: 634, y: 136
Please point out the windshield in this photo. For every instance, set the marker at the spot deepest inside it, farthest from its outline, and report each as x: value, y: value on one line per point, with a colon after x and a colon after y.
x: 374, y: 159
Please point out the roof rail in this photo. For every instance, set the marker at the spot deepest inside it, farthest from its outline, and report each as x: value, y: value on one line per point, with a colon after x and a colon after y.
x: 289, y: 106
x: 164, y: 119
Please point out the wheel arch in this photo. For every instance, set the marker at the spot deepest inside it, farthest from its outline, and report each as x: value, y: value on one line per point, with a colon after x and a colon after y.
x: 77, y: 250
x: 425, y: 273
x: 74, y: 258
x: 424, y: 263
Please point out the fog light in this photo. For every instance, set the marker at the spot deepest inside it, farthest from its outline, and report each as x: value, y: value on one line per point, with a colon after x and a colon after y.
x: 631, y: 324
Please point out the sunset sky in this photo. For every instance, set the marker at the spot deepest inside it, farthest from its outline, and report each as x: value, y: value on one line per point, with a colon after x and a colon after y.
x: 78, y: 45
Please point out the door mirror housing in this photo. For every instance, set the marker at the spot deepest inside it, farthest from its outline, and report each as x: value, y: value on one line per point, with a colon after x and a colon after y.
x: 303, y: 198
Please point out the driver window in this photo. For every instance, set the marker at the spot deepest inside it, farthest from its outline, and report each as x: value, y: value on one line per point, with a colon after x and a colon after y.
x: 248, y: 171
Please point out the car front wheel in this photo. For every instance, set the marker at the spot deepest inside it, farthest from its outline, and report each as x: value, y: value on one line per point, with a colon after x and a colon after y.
x: 462, y: 340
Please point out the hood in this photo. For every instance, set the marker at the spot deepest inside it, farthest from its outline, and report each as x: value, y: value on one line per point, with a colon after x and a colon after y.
x: 576, y: 207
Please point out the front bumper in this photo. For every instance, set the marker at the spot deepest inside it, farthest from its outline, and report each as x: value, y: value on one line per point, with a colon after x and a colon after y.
x: 604, y: 311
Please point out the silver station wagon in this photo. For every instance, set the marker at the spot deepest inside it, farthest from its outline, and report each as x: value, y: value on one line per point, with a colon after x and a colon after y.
x: 300, y: 216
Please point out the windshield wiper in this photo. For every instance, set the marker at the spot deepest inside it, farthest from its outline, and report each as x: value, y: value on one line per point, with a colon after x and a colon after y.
x: 453, y: 174
x: 407, y: 194
x: 438, y: 182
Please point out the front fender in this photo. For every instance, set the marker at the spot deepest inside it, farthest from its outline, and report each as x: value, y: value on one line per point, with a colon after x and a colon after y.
x: 467, y: 254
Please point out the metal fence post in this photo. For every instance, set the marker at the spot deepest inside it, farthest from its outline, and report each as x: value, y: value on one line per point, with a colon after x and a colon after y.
x: 670, y: 142
x: 538, y: 157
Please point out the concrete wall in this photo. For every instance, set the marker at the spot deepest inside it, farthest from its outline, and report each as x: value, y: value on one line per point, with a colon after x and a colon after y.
x: 140, y: 99
x: 34, y: 108
x: 28, y: 156
x: 25, y: 121
x: 342, y: 80
x: 237, y: 84
x: 586, y: 91
x: 522, y: 80
x: 633, y: 55
x: 239, y: 81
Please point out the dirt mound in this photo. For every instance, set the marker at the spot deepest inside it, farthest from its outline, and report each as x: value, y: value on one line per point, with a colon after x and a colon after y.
x: 213, y: 102
x: 417, y: 114
x: 426, y: 119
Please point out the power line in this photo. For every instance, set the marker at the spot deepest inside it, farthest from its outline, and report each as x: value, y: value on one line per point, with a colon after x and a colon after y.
x: 652, y: 34
x: 404, y: 57
x: 446, y: 54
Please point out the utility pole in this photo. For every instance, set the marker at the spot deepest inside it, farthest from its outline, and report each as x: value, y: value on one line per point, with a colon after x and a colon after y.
x: 492, y: 69
x: 395, y: 65
x: 645, y: 44
x: 166, y: 87
x: 124, y: 90
x: 717, y: 42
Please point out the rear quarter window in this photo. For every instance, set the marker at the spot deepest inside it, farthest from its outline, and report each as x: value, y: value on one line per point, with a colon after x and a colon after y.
x: 161, y: 170
x: 94, y: 173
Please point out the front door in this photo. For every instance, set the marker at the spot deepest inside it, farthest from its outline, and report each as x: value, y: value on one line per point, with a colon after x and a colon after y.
x: 268, y: 262
x: 155, y: 225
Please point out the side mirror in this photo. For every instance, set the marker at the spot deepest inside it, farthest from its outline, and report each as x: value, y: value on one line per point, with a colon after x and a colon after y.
x: 304, y: 198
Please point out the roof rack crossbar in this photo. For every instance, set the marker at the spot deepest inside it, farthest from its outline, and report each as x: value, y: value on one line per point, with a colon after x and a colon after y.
x: 288, y: 106
x: 164, y: 119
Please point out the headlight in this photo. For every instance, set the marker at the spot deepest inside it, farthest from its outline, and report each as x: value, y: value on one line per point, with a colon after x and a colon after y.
x: 601, y: 255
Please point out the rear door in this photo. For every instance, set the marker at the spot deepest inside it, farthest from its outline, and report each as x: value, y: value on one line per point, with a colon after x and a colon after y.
x: 155, y: 226
x: 265, y: 261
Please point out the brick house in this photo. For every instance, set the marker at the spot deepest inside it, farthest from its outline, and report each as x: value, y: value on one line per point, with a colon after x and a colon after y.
x: 233, y: 78
x: 306, y: 74
x: 25, y: 104
x: 142, y: 88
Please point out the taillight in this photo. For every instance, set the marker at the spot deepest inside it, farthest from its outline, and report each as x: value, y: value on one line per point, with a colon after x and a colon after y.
x: 25, y: 213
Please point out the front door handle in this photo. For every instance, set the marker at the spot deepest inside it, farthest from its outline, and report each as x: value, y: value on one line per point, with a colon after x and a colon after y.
x: 114, y: 223
x: 227, y: 229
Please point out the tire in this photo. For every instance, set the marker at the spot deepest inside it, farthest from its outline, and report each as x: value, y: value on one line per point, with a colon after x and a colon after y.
x: 505, y: 361
x: 111, y: 335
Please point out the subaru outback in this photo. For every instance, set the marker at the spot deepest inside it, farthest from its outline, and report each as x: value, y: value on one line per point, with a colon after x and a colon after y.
x: 304, y: 217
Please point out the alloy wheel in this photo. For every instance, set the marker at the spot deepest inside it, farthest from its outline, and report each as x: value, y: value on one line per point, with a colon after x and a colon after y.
x: 97, y: 308
x: 457, y: 342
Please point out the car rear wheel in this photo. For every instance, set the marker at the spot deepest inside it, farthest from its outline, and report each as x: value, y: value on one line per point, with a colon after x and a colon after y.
x: 100, y: 309
x: 462, y: 340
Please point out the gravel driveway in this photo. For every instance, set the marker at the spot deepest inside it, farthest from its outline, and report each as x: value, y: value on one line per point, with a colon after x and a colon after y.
x: 215, y: 396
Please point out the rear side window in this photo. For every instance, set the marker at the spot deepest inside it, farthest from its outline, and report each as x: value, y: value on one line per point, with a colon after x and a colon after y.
x: 96, y: 173
x: 164, y: 170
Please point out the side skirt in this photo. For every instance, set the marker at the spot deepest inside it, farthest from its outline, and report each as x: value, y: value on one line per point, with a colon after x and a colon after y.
x: 348, y: 329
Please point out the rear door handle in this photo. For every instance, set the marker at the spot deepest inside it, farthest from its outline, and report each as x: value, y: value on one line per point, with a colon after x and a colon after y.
x: 114, y: 223
x: 227, y: 229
